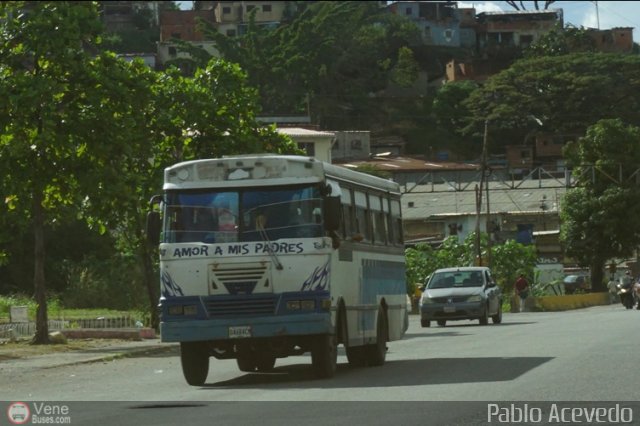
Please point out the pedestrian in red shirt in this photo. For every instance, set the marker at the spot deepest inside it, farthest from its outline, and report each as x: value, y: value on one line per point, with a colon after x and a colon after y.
x: 522, y: 290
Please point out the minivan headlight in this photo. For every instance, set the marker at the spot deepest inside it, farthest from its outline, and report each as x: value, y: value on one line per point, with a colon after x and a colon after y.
x: 424, y: 300
x: 476, y: 298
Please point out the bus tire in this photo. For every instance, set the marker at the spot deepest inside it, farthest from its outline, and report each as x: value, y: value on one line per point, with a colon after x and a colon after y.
x: 324, y: 356
x: 265, y: 362
x: 195, y: 362
x: 377, y: 352
x: 246, y: 362
x: 355, y: 356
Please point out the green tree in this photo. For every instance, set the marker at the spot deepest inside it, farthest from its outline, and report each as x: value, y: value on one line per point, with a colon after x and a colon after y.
x: 332, y: 55
x: 508, y: 259
x: 597, y: 224
x: 42, y: 72
x: 61, y: 121
x: 406, y: 70
x: 564, y: 94
x: 561, y: 41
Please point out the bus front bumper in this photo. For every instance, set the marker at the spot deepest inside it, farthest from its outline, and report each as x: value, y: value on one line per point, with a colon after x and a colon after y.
x: 191, y: 330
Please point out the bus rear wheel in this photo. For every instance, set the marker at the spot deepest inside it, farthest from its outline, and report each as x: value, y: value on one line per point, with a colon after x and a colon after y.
x: 265, y: 362
x: 324, y: 355
x: 377, y: 353
x: 246, y: 363
x: 355, y: 356
x: 194, y: 358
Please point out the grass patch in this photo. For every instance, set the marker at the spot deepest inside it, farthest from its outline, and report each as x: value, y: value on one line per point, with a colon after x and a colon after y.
x: 56, y: 311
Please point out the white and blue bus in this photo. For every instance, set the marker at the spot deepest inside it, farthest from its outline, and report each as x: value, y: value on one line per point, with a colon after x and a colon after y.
x: 267, y: 256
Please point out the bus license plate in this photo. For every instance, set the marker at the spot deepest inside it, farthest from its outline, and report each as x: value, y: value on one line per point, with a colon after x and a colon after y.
x: 239, y: 332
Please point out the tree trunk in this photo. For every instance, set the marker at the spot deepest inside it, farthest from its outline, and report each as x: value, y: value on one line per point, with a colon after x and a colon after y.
x: 151, y: 281
x: 151, y: 278
x: 597, y: 275
x: 42, y: 323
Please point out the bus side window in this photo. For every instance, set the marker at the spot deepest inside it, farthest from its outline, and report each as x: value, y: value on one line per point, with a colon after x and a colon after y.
x: 396, y: 222
x: 379, y: 228
x: 347, y: 213
x: 362, y: 217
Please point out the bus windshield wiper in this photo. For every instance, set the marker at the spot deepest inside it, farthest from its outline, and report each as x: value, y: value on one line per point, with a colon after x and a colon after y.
x: 272, y: 254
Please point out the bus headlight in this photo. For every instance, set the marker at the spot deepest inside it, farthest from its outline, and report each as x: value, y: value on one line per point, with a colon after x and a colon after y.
x: 190, y: 310
x: 175, y: 310
x: 293, y: 305
x: 308, y: 305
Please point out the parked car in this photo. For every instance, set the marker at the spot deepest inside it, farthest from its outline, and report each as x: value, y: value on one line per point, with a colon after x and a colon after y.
x: 573, y: 283
x: 461, y: 293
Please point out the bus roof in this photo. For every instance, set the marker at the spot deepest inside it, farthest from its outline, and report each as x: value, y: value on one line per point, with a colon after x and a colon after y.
x: 262, y: 170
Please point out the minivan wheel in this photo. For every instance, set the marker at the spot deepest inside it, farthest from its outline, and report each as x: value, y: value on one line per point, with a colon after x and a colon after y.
x: 497, y: 318
x: 484, y: 319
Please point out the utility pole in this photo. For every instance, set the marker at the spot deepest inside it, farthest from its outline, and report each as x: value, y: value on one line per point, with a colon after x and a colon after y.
x: 485, y: 175
x: 483, y: 170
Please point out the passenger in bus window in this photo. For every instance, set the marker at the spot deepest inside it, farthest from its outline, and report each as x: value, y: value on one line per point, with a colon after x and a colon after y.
x: 227, y: 226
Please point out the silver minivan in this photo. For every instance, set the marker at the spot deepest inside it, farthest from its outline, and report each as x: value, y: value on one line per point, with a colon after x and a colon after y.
x: 465, y: 293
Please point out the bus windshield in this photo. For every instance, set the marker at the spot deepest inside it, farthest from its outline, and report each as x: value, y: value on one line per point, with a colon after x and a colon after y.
x: 220, y: 216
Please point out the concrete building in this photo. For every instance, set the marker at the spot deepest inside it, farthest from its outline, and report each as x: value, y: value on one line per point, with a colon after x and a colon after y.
x: 315, y: 143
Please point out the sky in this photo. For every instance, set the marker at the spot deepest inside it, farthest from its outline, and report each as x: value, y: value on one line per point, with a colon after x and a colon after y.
x: 610, y: 14
x: 586, y: 14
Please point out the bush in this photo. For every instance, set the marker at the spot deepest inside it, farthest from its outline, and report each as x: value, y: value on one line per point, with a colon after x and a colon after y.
x: 98, y: 283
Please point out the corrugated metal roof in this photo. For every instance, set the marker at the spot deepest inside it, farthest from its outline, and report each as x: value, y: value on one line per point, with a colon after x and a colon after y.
x: 304, y: 133
x: 502, y: 199
x: 396, y: 164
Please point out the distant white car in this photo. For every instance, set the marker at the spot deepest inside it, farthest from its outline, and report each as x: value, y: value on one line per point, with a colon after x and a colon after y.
x: 461, y: 293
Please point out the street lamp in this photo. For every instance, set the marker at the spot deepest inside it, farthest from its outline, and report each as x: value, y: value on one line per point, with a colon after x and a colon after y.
x: 544, y: 207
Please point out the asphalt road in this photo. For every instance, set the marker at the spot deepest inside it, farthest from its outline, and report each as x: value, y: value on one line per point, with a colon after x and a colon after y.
x: 586, y: 355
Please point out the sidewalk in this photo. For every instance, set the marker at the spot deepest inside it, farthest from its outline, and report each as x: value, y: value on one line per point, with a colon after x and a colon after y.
x: 107, y: 352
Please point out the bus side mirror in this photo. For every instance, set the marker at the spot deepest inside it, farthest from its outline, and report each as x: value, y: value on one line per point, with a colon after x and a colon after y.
x: 153, y: 228
x: 332, y: 210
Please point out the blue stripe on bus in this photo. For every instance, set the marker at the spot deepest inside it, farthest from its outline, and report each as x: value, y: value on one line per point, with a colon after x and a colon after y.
x: 270, y: 326
x: 379, y: 277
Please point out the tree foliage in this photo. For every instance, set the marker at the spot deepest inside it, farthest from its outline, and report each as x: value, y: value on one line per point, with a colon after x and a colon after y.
x: 598, y: 223
x: 85, y: 135
x: 565, y: 94
x: 561, y: 41
x: 331, y: 55
x: 508, y: 259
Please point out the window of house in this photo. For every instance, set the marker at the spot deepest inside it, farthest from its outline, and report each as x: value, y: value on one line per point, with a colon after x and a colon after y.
x: 506, y: 39
x: 266, y: 8
x: 226, y: 10
x: 427, y: 34
x: 525, y: 154
x: 231, y: 33
x: 356, y: 144
x: 172, y: 51
x: 308, y: 147
x: 526, y: 40
x: 250, y: 7
x: 408, y: 11
x: 175, y: 35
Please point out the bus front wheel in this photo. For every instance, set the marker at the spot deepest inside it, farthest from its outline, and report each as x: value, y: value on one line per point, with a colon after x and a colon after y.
x: 194, y: 358
x: 324, y: 355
